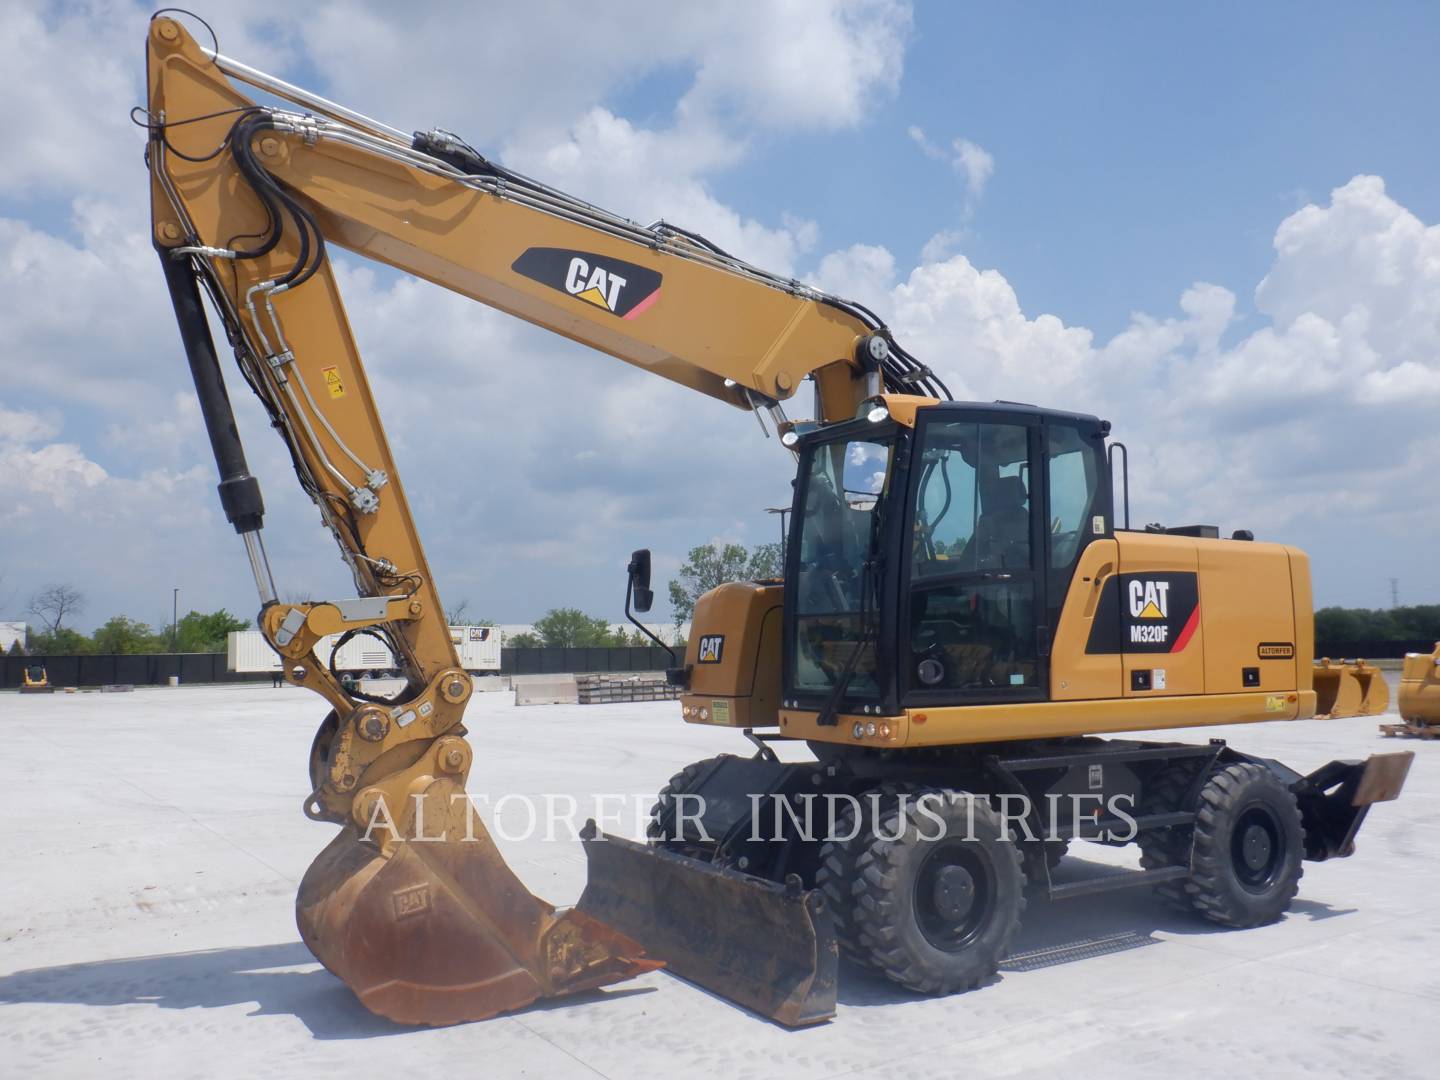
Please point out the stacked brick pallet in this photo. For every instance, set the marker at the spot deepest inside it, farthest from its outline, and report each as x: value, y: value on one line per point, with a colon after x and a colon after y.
x: 606, y: 689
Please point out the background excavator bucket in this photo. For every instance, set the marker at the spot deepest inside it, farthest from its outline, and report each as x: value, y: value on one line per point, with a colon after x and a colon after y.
x: 1420, y: 688
x: 768, y: 947
x: 442, y: 931
x: 1349, y: 689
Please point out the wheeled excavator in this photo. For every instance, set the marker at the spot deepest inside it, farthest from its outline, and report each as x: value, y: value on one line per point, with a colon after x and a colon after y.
x: 960, y: 619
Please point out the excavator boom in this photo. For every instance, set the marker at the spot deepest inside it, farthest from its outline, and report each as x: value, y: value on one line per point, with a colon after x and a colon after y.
x: 245, y: 199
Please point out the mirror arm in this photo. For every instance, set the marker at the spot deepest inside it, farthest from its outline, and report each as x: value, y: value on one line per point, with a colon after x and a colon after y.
x: 629, y: 592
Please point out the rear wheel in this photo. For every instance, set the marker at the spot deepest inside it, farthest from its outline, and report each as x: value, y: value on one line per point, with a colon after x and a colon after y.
x: 936, y: 902
x: 1248, y: 845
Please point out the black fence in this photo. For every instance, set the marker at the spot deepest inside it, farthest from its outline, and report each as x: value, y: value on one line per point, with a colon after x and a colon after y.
x: 556, y: 661
x: 141, y: 669
x: 155, y: 669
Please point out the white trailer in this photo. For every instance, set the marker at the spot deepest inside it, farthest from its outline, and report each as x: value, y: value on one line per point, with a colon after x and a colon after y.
x: 247, y: 651
x: 478, y: 646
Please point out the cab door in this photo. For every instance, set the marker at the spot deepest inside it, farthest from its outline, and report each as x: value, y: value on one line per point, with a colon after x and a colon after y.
x: 972, y: 577
x: 1082, y: 562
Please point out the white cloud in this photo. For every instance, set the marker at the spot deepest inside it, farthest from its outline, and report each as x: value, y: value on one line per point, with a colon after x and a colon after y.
x: 863, y: 272
x: 1313, y: 422
x: 20, y: 428
x: 798, y: 63
x: 970, y: 161
x: 651, y: 174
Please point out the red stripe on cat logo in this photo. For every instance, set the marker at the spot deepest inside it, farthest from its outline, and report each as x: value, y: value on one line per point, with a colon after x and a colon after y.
x: 1189, y: 631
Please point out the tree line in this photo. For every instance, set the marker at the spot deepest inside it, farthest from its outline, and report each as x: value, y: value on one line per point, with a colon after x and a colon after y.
x: 55, y: 608
x: 1417, y: 622
x: 54, y: 605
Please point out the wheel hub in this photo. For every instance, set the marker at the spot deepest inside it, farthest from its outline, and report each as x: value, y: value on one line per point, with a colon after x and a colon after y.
x: 954, y: 893
x: 1255, y: 847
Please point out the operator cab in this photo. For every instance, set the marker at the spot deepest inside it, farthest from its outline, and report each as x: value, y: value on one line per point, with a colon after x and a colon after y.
x: 985, y: 509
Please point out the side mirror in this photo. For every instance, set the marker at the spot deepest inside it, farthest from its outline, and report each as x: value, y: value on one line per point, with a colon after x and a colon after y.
x: 639, y: 571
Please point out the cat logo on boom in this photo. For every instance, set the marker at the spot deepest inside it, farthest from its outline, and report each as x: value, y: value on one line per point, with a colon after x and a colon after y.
x: 621, y: 288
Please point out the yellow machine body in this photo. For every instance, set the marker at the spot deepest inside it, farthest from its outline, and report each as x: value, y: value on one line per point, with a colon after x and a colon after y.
x: 734, y: 656
x: 1241, y: 654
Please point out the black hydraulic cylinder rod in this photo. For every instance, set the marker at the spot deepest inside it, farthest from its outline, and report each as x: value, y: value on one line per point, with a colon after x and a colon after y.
x: 239, y: 491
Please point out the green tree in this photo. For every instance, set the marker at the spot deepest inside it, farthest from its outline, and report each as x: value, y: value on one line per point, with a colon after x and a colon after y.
x: 61, y: 642
x: 17, y: 648
x: 1338, y: 625
x: 525, y: 640
x: 572, y: 628
x: 121, y: 634
x: 710, y: 565
x: 198, y: 632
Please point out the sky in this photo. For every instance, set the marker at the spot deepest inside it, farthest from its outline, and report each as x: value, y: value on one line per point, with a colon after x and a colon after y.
x: 1213, y: 225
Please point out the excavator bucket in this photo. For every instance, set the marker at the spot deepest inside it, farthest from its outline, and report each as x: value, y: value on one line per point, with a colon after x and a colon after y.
x: 1352, y: 688
x: 1420, y: 689
x: 440, y: 931
x: 768, y: 947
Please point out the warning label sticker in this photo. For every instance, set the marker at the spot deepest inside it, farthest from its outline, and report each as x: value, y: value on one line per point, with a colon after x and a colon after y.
x: 333, y: 382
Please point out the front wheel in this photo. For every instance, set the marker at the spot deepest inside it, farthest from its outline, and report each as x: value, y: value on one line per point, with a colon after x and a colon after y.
x: 1248, y: 845
x: 939, y: 892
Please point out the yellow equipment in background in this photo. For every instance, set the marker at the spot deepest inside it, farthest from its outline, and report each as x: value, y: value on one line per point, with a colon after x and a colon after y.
x: 36, y: 681
x: 1419, y: 699
x: 1349, y: 688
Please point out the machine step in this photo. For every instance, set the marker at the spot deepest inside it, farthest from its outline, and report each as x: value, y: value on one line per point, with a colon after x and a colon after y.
x: 1111, y: 882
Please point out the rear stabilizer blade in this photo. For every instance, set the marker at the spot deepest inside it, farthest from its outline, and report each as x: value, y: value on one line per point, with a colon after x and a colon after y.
x: 768, y: 947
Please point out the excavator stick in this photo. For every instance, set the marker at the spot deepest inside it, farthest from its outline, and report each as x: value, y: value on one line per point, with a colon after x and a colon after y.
x: 768, y: 947
x: 1352, y: 688
x: 438, y: 930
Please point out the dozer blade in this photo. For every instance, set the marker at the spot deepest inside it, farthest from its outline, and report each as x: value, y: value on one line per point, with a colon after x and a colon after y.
x: 442, y: 931
x: 768, y: 947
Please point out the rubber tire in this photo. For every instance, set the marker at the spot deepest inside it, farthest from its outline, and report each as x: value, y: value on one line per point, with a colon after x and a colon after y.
x: 679, y: 784
x: 835, y: 878
x: 837, y: 873
x: 1160, y: 848
x: 883, y: 903
x: 1214, y: 887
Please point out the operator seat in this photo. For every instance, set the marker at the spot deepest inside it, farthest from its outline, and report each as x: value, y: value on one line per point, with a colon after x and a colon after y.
x: 1002, y: 535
